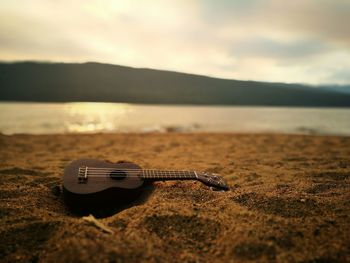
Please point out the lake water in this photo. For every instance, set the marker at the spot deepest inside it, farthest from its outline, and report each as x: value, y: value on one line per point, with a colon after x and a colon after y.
x: 48, y: 118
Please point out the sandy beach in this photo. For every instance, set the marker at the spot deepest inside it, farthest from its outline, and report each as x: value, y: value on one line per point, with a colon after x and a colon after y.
x: 289, y: 200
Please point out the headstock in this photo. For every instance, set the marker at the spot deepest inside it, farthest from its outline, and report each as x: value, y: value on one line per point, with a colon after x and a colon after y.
x: 213, y: 180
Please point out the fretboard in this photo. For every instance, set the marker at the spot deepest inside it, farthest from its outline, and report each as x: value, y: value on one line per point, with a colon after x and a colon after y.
x: 168, y: 174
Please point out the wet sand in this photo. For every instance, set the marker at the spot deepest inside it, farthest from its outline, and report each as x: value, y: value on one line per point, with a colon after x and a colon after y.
x: 289, y: 200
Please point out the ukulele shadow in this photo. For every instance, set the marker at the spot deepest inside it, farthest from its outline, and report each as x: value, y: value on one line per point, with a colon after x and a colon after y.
x: 107, y: 209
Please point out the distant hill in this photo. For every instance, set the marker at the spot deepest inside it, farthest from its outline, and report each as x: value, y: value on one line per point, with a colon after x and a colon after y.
x: 337, y: 88
x: 58, y: 82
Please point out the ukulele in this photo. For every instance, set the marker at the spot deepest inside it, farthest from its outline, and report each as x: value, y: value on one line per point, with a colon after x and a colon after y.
x: 89, y: 182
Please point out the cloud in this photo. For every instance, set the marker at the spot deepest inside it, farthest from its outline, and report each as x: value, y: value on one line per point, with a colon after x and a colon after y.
x: 277, y: 49
x: 326, y: 19
x: 270, y: 40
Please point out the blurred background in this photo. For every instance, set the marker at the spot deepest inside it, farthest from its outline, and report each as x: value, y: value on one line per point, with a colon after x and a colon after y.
x: 164, y: 66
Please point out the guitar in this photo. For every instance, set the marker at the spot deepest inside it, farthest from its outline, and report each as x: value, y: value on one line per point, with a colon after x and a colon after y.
x: 89, y: 182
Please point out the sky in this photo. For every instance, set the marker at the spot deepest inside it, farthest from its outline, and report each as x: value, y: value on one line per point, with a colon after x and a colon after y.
x: 299, y: 41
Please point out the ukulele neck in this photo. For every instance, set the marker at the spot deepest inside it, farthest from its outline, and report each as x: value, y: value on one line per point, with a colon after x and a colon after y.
x: 163, y: 175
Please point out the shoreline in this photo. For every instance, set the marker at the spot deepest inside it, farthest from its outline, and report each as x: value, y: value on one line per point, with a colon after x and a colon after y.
x: 209, y: 133
x: 111, y: 118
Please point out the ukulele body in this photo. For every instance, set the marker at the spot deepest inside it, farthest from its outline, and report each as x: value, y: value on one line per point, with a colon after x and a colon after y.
x: 105, y: 183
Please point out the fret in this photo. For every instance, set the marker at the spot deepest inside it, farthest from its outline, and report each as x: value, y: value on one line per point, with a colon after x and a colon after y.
x: 190, y: 174
x: 186, y: 174
x: 183, y: 174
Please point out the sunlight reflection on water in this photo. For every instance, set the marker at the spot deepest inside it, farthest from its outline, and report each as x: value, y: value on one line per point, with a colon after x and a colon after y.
x: 94, y: 117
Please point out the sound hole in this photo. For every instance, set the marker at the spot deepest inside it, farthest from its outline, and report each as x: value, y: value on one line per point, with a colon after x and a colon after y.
x: 118, y: 174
